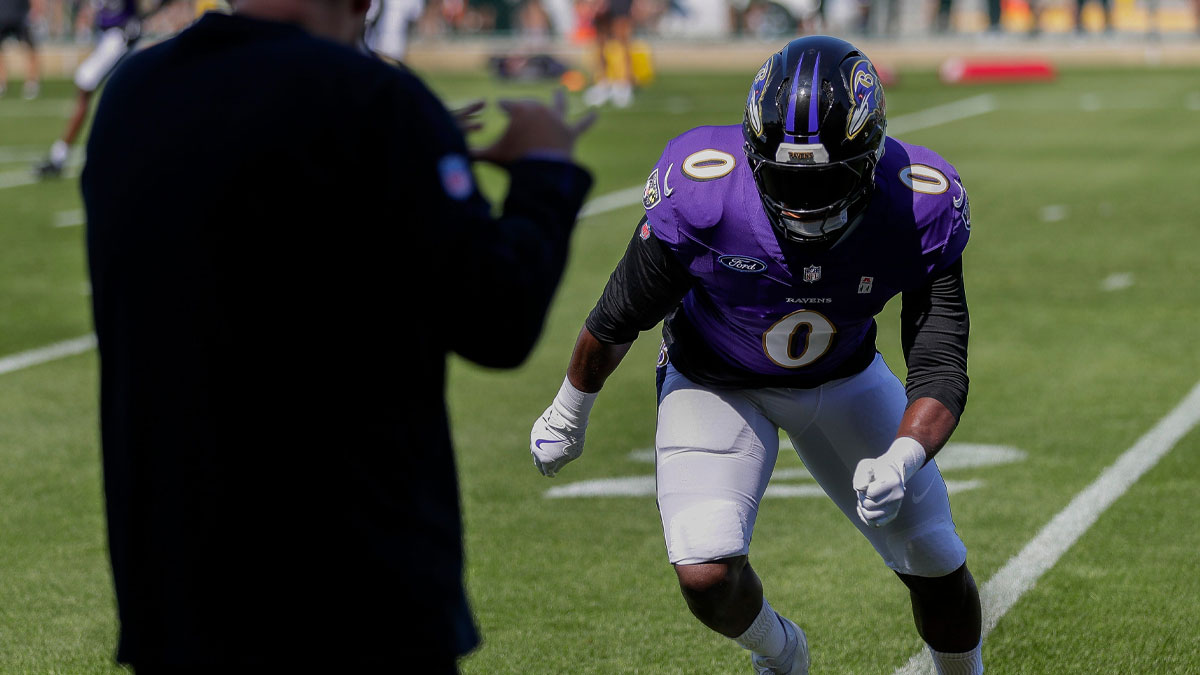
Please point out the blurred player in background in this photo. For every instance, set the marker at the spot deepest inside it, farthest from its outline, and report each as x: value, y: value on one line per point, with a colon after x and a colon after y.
x: 118, y: 29
x: 388, y: 23
x: 614, y: 55
x: 769, y: 247
x: 16, y: 22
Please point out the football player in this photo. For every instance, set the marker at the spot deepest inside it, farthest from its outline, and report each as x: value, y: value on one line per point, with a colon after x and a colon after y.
x: 15, y: 20
x: 118, y: 29
x: 769, y: 248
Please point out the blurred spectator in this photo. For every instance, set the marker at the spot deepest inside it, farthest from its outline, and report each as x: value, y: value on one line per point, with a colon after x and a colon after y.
x: 941, y: 22
x: 388, y: 24
x: 16, y: 21
x: 533, y: 23
x: 1037, y: 6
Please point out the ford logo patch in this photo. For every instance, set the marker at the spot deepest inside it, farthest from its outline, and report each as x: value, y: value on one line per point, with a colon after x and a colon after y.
x: 742, y: 263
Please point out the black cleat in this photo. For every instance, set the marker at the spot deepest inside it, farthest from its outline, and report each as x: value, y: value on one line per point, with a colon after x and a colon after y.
x: 47, y: 169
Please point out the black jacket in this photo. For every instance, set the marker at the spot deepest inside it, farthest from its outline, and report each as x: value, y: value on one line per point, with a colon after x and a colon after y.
x: 284, y: 242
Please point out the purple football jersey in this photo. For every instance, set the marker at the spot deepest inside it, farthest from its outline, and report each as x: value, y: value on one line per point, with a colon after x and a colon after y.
x: 115, y: 13
x: 792, y: 310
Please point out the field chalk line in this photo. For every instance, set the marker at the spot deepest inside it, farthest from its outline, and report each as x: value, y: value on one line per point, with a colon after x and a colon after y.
x: 901, y: 124
x: 52, y: 352
x: 1023, y: 570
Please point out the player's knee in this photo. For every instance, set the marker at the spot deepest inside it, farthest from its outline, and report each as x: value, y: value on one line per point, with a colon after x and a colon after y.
x: 711, y: 578
x: 929, y: 552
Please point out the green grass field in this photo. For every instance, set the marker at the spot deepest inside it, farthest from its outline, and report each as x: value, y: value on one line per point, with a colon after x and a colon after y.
x: 1083, y: 274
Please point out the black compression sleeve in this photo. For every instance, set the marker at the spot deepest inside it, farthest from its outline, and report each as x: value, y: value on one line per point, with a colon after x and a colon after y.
x: 934, y: 326
x: 647, y: 283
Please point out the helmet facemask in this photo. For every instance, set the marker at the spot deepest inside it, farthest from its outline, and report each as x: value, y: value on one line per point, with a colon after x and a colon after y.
x: 812, y: 203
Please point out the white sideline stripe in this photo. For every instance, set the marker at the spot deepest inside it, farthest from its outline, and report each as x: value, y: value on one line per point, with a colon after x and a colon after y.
x: 52, y: 352
x: 1023, y: 570
x: 949, y: 112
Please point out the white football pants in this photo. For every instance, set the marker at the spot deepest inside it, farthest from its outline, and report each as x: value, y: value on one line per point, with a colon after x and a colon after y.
x: 716, y: 449
x: 111, y: 47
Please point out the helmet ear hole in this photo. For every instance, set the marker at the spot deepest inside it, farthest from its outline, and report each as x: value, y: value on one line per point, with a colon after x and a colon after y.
x: 814, y: 128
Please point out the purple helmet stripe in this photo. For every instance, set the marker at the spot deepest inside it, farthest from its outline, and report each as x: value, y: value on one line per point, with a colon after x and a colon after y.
x: 790, y: 121
x: 814, y: 100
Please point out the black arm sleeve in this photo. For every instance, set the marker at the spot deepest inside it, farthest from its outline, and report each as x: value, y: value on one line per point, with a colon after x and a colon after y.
x: 503, y: 270
x: 647, y: 284
x: 934, y: 326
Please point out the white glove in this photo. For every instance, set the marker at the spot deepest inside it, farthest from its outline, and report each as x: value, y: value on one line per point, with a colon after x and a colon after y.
x: 557, y: 436
x: 879, y: 482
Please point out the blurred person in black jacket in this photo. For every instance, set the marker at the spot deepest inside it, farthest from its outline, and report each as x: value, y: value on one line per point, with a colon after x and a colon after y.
x: 285, y: 240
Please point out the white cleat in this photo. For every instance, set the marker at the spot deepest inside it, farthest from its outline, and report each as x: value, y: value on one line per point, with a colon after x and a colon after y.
x: 597, y: 95
x: 622, y: 95
x: 793, y: 660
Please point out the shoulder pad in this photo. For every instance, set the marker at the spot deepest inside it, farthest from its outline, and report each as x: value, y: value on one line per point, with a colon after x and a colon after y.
x: 694, y: 180
x: 921, y: 182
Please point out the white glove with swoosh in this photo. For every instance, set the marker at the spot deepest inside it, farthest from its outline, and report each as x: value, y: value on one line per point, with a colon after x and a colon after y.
x: 879, y: 482
x: 557, y: 436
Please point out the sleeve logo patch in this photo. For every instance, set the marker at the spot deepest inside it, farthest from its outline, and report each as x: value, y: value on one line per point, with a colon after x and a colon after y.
x: 651, y: 196
x: 963, y: 204
x: 456, y: 177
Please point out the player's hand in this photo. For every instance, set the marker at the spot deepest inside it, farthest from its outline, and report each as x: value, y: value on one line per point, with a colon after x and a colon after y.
x: 467, y: 117
x: 553, y: 442
x: 557, y: 436
x: 880, y: 481
x: 535, y: 129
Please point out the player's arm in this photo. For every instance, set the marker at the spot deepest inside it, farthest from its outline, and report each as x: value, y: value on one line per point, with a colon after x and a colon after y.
x: 647, y: 283
x: 934, y: 329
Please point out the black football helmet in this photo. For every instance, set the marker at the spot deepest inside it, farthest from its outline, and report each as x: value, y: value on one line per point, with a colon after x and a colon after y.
x: 814, y: 127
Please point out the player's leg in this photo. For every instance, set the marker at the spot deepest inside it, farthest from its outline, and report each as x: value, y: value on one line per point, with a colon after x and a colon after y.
x: 622, y: 33
x: 33, y: 72
x: 858, y: 419
x: 112, y: 46
x: 714, y: 455
x: 3, y: 67
x: 946, y: 610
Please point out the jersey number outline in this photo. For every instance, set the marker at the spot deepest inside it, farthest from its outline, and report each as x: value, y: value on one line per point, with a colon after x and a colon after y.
x: 924, y: 179
x: 708, y: 164
x: 788, y: 346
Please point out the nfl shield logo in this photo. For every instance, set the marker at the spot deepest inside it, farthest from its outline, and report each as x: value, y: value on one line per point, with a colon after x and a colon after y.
x: 812, y: 274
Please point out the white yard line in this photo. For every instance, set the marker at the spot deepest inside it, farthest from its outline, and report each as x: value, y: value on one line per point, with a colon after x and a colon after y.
x: 52, y: 352
x: 942, y: 114
x: 16, y: 178
x: 613, y: 201
x: 1023, y: 570
x: 72, y: 218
